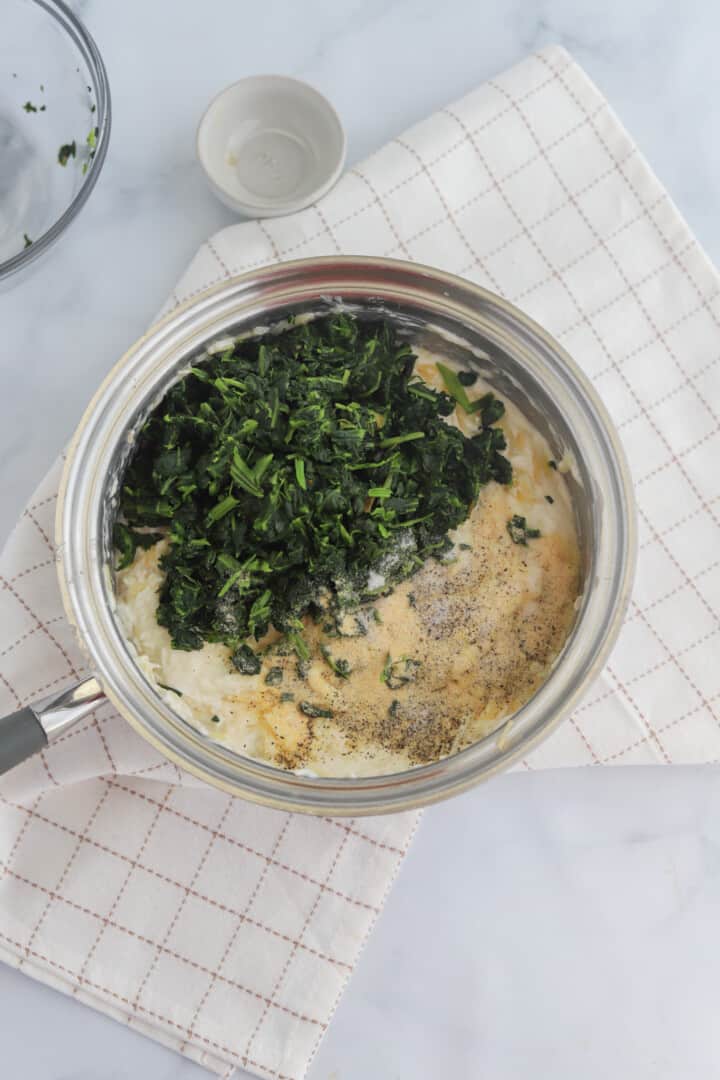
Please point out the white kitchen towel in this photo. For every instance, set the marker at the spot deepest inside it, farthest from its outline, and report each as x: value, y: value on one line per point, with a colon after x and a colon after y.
x: 229, y: 931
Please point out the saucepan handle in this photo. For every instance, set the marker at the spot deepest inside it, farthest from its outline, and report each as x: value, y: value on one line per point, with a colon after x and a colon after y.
x: 29, y: 730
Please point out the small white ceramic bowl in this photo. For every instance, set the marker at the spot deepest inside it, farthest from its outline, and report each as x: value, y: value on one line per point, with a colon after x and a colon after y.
x: 270, y: 145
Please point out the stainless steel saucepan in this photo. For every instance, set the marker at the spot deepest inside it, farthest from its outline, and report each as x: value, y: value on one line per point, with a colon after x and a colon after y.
x: 521, y: 361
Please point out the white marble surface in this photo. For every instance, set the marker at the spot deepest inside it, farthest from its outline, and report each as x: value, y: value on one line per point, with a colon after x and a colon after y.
x: 559, y: 925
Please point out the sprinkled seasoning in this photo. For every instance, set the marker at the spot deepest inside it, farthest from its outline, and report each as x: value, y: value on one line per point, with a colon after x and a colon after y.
x: 519, y: 530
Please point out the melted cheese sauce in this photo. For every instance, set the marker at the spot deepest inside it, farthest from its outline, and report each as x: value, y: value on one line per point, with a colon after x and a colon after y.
x: 482, y: 630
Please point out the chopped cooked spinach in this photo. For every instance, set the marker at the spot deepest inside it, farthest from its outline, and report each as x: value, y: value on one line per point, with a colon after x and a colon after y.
x: 398, y: 673
x: 315, y: 711
x: 172, y: 689
x: 549, y: 498
x: 488, y: 405
x: 467, y: 378
x: 297, y: 641
x: 29, y: 107
x: 519, y: 530
x: 127, y: 541
x: 66, y: 151
x: 246, y: 661
x: 553, y: 464
x: 274, y: 676
x: 287, y: 467
x: 27, y: 240
x: 340, y: 667
x: 454, y: 387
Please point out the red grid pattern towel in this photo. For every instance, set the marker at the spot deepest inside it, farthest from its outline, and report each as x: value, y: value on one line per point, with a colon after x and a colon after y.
x: 229, y: 931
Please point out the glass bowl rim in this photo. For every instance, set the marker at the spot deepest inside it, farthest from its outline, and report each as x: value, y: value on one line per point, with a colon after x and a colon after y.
x: 75, y: 29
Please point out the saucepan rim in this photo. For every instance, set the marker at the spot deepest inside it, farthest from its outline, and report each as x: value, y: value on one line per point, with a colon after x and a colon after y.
x: 258, y: 297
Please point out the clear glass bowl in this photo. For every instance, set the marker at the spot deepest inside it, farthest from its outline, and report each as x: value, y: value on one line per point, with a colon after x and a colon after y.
x: 521, y: 361
x: 53, y: 92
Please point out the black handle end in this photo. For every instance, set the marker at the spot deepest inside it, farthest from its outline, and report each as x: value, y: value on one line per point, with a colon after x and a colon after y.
x: 21, y: 736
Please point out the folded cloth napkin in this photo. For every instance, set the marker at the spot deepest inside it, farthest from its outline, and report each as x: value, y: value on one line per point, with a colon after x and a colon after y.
x: 228, y: 931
